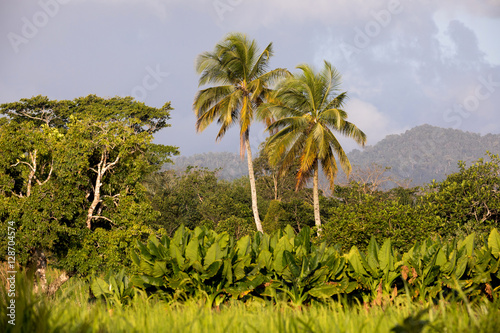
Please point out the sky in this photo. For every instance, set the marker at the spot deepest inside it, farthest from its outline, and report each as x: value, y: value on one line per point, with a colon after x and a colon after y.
x: 404, y: 63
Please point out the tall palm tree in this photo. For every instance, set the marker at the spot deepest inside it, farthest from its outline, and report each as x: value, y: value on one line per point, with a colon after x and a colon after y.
x: 241, y: 82
x: 308, y: 109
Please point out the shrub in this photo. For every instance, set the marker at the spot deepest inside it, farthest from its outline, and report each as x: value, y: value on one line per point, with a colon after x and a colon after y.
x: 354, y: 224
x: 237, y: 227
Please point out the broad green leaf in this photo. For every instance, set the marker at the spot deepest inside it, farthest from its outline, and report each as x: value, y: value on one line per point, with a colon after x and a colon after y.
x: 283, y: 244
x: 228, y: 272
x: 385, y: 257
x: 354, y: 259
x: 279, y: 261
x: 135, y: 258
x: 223, y: 240
x: 179, y: 236
x: 468, y: 243
x: 461, y: 266
x: 153, y: 249
x: 264, y: 243
x: 175, y: 252
x: 239, y: 267
x: 292, y: 265
x: 353, y: 285
x: 113, y: 285
x: 199, y: 232
x: 289, y: 232
x: 145, y: 254
x: 330, y: 289
x: 243, y: 245
x: 99, y: 287
x: 211, y: 270
x: 372, y: 254
x: 441, y: 259
x: 144, y: 280
x: 192, y: 250
x: 494, y: 243
x: 213, y: 253
x: 265, y: 259
x: 160, y: 269
x: 146, y: 268
x: 303, y: 239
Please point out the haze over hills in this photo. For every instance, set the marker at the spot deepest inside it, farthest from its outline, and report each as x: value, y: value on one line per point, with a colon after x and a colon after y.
x: 427, y: 152
x: 421, y: 154
x: 230, y: 165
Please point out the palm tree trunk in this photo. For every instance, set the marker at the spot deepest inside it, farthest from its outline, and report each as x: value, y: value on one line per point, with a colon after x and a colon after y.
x: 253, y: 189
x: 317, y: 218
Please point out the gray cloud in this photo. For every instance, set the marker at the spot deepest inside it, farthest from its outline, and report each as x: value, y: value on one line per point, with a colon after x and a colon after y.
x: 411, y: 70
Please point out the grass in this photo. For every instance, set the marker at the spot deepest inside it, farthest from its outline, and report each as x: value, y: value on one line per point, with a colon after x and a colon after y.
x: 71, y: 310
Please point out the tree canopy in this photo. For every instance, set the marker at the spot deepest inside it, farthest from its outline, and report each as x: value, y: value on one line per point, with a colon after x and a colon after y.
x: 241, y: 82
x: 308, y: 111
x: 71, y: 174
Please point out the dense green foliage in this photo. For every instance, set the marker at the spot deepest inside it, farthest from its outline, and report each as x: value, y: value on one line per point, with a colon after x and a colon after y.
x: 81, y: 186
x: 71, y: 178
x: 71, y: 311
x: 289, y: 266
x: 197, y: 197
x: 357, y: 222
x: 465, y: 202
x: 468, y: 200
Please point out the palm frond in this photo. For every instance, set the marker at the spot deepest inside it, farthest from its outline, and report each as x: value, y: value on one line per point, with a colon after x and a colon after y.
x: 308, y: 107
x: 352, y: 131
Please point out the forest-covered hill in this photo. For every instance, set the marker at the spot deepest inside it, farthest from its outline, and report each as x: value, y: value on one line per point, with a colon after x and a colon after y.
x: 426, y: 152
x: 421, y: 154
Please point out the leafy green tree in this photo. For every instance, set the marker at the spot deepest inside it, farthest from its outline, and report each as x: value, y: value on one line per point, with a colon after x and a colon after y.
x: 71, y: 178
x: 196, y: 197
x: 309, y: 110
x: 469, y: 200
x: 179, y: 197
x: 237, y: 227
x: 355, y: 222
x: 242, y: 83
x: 296, y: 213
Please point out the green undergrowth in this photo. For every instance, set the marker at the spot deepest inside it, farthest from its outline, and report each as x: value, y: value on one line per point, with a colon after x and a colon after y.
x: 286, y: 266
x: 72, y: 310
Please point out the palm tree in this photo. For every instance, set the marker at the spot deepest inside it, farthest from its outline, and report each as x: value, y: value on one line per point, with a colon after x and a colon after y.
x: 308, y: 109
x: 241, y: 83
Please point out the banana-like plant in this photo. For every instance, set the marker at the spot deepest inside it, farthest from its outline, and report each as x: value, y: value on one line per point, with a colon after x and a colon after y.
x: 289, y: 266
x: 116, y: 289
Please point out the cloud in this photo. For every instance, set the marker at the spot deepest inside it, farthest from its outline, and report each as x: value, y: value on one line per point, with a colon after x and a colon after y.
x: 413, y: 71
x: 422, y: 61
x: 160, y: 8
x: 375, y: 124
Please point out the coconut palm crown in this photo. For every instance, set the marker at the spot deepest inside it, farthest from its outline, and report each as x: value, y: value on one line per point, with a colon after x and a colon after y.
x: 308, y: 109
x: 240, y: 82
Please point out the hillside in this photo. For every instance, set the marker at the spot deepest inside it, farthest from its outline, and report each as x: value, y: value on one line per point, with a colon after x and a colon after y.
x: 422, y: 153
x: 231, y: 165
x: 426, y: 152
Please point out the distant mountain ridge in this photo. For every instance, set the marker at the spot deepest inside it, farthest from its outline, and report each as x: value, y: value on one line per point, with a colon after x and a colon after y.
x: 426, y: 152
x: 421, y: 154
x: 230, y: 165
